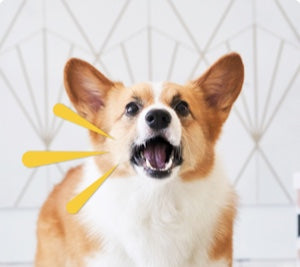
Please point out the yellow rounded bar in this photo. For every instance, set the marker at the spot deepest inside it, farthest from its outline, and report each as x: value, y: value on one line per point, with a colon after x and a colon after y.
x: 38, y: 158
x: 75, y: 204
x: 65, y: 113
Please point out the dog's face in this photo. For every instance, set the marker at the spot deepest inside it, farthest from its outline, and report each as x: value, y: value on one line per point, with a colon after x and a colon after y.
x: 159, y: 129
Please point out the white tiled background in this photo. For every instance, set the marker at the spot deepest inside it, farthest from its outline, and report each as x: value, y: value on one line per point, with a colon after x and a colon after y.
x: 139, y: 40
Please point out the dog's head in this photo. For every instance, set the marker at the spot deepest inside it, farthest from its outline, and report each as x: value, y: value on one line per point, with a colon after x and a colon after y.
x: 159, y: 129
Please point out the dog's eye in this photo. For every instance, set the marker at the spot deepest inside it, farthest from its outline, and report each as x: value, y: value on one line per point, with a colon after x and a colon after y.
x: 132, y: 109
x: 182, y: 108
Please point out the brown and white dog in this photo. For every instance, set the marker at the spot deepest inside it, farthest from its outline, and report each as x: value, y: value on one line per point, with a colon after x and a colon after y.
x: 169, y: 203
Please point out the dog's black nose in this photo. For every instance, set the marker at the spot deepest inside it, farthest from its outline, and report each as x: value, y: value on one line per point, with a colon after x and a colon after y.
x: 158, y: 119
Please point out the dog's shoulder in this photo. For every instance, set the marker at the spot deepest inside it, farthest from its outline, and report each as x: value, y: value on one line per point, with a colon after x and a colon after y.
x: 58, y: 230
x: 61, y: 193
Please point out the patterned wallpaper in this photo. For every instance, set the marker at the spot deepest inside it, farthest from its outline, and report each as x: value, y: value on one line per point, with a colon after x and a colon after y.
x: 136, y: 40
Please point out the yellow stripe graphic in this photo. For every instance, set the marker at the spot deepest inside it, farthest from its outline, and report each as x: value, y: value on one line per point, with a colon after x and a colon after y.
x: 77, y: 202
x: 38, y: 158
x: 64, y: 112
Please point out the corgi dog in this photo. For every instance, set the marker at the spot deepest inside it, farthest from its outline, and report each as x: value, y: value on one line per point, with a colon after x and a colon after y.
x: 168, y: 203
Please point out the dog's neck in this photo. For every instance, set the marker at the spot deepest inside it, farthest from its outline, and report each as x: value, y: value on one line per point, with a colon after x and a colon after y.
x: 149, y: 209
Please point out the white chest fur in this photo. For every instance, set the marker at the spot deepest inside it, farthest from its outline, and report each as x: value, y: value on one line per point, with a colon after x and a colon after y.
x: 143, y: 222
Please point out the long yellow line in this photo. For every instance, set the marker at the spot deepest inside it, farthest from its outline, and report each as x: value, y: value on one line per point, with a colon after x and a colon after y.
x: 38, y: 158
x: 65, y: 113
x: 75, y: 204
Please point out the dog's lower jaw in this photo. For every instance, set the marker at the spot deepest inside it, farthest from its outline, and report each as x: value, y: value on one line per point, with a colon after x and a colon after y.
x: 154, y: 182
x: 144, y: 222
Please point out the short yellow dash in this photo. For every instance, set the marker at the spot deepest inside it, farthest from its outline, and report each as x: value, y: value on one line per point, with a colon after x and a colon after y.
x: 38, y: 158
x: 75, y: 204
x: 64, y: 112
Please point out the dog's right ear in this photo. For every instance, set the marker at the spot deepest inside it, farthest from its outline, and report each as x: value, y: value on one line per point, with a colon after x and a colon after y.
x: 86, y: 86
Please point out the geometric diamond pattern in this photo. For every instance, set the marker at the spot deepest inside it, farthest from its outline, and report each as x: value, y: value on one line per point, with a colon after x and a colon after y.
x: 138, y: 40
x: 135, y: 54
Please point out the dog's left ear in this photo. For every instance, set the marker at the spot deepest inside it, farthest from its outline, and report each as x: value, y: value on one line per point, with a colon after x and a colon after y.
x: 220, y: 86
x: 87, y: 88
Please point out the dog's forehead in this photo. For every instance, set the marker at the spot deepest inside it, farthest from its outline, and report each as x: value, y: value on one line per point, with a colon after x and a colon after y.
x: 155, y: 92
x: 169, y: 91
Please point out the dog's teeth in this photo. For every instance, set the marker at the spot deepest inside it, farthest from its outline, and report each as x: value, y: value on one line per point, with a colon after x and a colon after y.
x: 149, y: 165
x: 169, y: 164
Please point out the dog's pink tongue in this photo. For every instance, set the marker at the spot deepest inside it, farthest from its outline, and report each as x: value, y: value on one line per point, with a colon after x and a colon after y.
x: 156, y: 155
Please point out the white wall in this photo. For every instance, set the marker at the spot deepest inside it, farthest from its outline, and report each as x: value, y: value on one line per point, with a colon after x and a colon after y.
x: 153, y: 40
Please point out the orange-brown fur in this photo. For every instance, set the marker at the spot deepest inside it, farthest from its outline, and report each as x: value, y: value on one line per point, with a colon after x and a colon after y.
x: 222, y: 245
x: 62, y: 240
x: 59, y: 231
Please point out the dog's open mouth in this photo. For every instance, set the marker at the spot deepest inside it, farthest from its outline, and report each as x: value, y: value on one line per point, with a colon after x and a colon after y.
x: 157, y: 156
